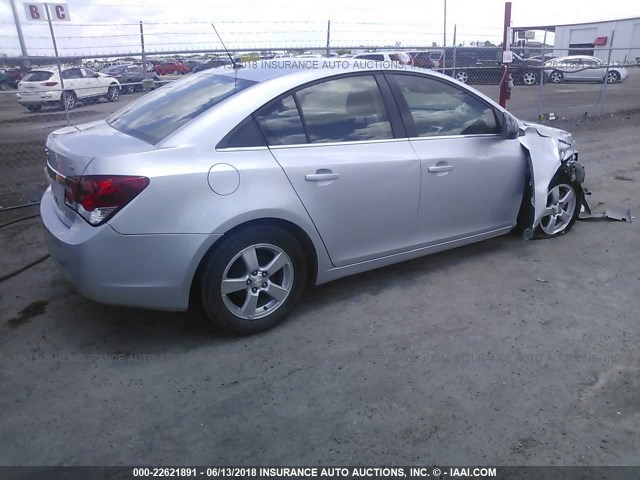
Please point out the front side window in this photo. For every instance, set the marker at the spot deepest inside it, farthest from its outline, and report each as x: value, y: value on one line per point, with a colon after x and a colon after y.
x: 160, y: 113
x: 440, y: 109
x: 344, y: 110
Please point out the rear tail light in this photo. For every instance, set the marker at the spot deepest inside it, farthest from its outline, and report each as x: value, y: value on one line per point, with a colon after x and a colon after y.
x: 97, y: 198
x: 49, y: 84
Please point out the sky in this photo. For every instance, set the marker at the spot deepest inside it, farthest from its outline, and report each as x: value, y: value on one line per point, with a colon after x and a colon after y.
x: 111, y: 26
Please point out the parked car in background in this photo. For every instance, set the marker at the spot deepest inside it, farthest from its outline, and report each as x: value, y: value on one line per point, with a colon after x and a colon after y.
x: 427, y: 58
x: 171, y: 68
x: 213, y: 63
x: 402, y: 58
x: 542, y: 58
x: 6, y: 81
x: 43, y: 87
x: 129, y: 76
x: 582, y: 68
x: 193, y: 64
x: 483, y: 66
x: 238, y: 188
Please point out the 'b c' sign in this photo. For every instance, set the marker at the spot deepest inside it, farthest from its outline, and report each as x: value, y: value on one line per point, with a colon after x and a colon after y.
x: 37, y: 12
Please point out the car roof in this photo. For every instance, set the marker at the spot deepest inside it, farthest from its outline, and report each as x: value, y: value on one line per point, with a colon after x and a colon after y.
x: 578, y: 57
x: 262, y: 70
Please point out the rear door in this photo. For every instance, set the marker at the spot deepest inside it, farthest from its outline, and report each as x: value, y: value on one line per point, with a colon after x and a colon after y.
x: 472, y: 178
x: 73, y: 81
x: 339, y: 144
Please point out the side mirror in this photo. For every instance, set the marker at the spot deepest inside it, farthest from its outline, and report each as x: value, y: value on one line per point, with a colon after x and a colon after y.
x: 509, y: 127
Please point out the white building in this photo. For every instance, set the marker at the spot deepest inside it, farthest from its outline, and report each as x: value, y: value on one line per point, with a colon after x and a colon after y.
x: 620, y: 37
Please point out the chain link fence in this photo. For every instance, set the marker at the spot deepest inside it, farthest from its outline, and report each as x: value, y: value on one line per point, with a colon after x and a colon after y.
x: 126, y: 63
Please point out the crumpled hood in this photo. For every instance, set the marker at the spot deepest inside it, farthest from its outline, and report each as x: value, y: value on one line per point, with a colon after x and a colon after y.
x: 546, y: 131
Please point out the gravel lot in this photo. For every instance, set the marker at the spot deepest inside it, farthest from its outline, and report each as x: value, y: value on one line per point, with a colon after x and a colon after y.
x: 502, y: 353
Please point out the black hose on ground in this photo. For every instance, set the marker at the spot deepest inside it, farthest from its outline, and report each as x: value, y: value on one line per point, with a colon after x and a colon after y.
x: 19, y: 220
x: 15, y: 207
x: 23, y: 268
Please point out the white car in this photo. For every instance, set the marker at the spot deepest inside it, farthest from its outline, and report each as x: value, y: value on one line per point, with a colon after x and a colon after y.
x: 401, y: 58
x: 43, y: 87
x: 582, y: 68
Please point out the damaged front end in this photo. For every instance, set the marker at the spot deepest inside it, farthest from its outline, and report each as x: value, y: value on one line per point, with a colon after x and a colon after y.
x: 550, y: 153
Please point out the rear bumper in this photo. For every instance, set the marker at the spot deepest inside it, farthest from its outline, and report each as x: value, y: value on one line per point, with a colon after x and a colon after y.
x: 38, y: 98
x: 145, y: 271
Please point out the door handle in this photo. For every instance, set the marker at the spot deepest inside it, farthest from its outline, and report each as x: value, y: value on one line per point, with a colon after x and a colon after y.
x: 321, y: 177
x: 440, y: 169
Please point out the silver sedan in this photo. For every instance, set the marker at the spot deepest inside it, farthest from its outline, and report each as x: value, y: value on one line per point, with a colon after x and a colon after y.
x: 240, y: 187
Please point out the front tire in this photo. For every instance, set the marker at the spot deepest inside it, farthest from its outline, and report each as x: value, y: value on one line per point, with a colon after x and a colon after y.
x: 253, y: 279
x: 556, y: 77
x: 462, y: 77
x: 113, y: 93
x: 530, y: 78
x: 563, y: 207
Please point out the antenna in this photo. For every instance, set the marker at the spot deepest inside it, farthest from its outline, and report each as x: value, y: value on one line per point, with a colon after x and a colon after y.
x: 235, y: 65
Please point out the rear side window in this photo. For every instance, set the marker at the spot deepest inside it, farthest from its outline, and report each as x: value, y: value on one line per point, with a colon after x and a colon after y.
x: 281, y: 123
x: 439, y: 109
x: 344, y: 110
x: 247, y: 134
x: 160, y: 113
x: 37, y: 76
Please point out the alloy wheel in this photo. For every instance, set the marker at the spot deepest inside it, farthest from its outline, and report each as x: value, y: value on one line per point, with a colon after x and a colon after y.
x: 556, y: 77
x: 257, y: 281
x: 113, y: 94
x: 612, y: 77
x: 69, y: 100
x: 561, y: 206
x: 462, y: 77
x: 529, y: 78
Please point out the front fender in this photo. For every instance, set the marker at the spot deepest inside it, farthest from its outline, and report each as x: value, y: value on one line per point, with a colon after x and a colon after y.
x: 549, y: 150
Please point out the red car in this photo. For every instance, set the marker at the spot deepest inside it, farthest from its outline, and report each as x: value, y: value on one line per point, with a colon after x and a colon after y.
x: 172, y: 68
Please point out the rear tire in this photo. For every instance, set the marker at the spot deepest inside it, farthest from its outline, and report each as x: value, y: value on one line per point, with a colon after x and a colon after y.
x: 238, y: 301
x: 563, y: 207
x: 68, y: 99
x: 612, y: 77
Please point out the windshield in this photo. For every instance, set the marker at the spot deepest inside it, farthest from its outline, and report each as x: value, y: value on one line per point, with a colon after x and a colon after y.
x: 160, y: 113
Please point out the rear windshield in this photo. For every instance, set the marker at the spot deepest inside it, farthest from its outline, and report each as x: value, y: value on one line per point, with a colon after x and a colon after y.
x: 37, y: 76
x: 160, y: 113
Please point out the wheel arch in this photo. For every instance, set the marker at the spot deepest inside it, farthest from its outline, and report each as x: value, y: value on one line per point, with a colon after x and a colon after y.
x: 298, y: 232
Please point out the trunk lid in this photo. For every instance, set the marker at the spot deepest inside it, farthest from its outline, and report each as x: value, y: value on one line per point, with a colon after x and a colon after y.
x: 70, y: 150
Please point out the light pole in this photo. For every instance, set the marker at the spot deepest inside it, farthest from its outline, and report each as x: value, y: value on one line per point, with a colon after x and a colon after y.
x: 23, y: 47
x: 444, y: 39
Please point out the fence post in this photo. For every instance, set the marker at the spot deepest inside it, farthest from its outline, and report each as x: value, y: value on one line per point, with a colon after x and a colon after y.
x: 55, y: 50
x: 144, y: 56
x: 505, y: 47
x: 328, y: 38
x: 603, y: 91
x: 541, y: 80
